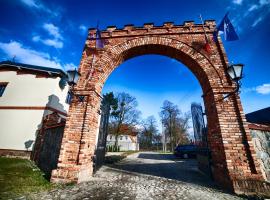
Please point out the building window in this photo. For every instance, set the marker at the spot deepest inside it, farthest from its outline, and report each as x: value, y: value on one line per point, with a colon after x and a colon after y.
x: 121, y: 137
x: 69, y: 97
x: 126, y: 137
x: 2, y: 88
x: 110, y: 137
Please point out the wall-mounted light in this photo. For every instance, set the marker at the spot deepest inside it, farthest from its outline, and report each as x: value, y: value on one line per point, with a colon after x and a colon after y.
x: 235, y: 72
x: 72, y: 79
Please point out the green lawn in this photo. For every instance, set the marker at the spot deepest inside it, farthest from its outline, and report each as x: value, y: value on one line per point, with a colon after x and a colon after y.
x: 19, y: 177
x: 164, y: 152
x: 116, y: 158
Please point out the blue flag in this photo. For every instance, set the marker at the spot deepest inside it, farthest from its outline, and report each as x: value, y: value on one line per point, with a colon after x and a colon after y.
x: 99, y: 40
x: 227, y: 28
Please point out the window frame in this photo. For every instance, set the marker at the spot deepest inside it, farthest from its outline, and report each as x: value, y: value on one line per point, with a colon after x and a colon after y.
x: 69, y: 97
x: 4, y: 85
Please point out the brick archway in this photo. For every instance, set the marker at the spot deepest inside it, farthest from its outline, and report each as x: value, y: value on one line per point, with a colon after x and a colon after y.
x: 229, y: 138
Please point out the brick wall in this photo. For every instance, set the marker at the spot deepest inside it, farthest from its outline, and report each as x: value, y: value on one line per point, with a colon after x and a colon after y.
x: 229, y: 137
x: 15, y: 153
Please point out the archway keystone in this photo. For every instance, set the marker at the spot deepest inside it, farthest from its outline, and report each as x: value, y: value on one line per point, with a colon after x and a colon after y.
x: 229, y: 139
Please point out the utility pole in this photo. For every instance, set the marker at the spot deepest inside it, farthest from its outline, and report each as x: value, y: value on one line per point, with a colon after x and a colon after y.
x: 164, y: 139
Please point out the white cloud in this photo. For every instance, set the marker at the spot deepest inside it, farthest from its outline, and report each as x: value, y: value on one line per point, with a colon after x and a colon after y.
x: 255, y: 11
x: 257, y: 21
x: 263, y: 89
x: 31, y: 3
x: 36, y: 38
x: 264, y: 2
x: 38, y: 6
x: 28, y: 55
x: 253, y: 7
x: 238, y: 2
x: 69, y: 66
x: 52, y: 30
x: 83, y: 28
x: 49, y: 42
x: 53, y: 42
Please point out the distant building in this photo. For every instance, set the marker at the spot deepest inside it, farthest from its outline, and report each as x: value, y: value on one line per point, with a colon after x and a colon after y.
x: 28, y: 93
x: 127, y: 140
x: 259, y: 117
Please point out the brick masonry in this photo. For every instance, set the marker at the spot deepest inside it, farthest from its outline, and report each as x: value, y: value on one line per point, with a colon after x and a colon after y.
x: 15, y: 153
x: 233, y: 153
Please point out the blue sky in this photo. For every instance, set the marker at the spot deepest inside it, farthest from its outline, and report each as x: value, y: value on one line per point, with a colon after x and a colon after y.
x: 52, y: 33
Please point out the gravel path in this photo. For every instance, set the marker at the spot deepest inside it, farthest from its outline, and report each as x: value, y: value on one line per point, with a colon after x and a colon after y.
x: 143, y: 176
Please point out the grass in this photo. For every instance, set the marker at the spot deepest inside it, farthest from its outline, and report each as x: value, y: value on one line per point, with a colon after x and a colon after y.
x: 165, y: 152
x: 116, y: 158
x: 18, y: 177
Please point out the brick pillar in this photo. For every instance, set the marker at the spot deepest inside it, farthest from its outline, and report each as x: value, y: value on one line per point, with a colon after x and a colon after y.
x: 77, y: 149
x: 229, y: 140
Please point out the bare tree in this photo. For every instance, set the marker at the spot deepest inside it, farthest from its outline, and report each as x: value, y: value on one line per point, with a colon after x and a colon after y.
x: 175, y: 123
x: 181, y: 129
x: 124, y: 113
x: 148, y: 133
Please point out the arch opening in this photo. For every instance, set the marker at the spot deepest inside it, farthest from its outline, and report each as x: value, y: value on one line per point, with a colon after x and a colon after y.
x: 192, y: 163
x: 193, y: 59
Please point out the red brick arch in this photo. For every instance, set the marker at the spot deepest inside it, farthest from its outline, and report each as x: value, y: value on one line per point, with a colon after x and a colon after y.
x: 196, y: 61
x: 228, y: 135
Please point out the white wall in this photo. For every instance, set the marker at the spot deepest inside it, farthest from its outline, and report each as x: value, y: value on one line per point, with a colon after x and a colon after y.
x: 126, y: 144
x: 27, y: 90
x: 19, y: 126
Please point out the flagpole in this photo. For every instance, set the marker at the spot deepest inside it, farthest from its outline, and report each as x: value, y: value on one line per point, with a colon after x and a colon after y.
x: 206, y: 38
x: 92, y: 63
x: 206, y: 47
x: 95, y: 45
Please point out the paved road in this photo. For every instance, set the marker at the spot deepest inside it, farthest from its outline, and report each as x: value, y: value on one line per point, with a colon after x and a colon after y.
x: 144, y: 176
x: 167, y: 166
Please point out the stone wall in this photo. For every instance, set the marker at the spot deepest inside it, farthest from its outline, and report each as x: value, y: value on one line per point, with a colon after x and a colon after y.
x: 261, y: 140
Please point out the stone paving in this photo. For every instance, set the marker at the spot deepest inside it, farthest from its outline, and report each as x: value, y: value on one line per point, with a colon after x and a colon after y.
x: 113, y: 183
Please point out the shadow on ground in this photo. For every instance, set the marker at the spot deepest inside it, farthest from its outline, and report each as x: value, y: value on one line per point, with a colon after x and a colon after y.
x: 166, y: 166
x: 157, y: 156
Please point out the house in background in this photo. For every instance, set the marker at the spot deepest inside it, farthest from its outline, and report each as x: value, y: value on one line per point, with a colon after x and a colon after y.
x: 127, y: 140
x: 28, y: 94
x: 259, y: 125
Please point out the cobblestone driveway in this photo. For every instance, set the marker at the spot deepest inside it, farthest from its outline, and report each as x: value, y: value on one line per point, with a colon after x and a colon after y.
x: 144, y: 176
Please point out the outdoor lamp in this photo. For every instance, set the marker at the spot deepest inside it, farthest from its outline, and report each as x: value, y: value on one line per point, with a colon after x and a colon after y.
x: 73, y: 77
x: 235, y: 71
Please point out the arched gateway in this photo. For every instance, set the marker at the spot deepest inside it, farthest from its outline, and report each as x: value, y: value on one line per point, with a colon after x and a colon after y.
x: 233, y: 156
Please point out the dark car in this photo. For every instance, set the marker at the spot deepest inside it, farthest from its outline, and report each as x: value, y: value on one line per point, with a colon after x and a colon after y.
x: 185, y: 151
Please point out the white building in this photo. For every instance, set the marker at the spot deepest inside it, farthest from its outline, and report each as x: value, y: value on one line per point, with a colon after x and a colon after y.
x: 27, y: 94
x: 126, y: 142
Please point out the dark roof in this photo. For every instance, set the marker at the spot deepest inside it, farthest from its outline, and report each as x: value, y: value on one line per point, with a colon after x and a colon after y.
x: 260, y: 116
x: 48, y: 70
